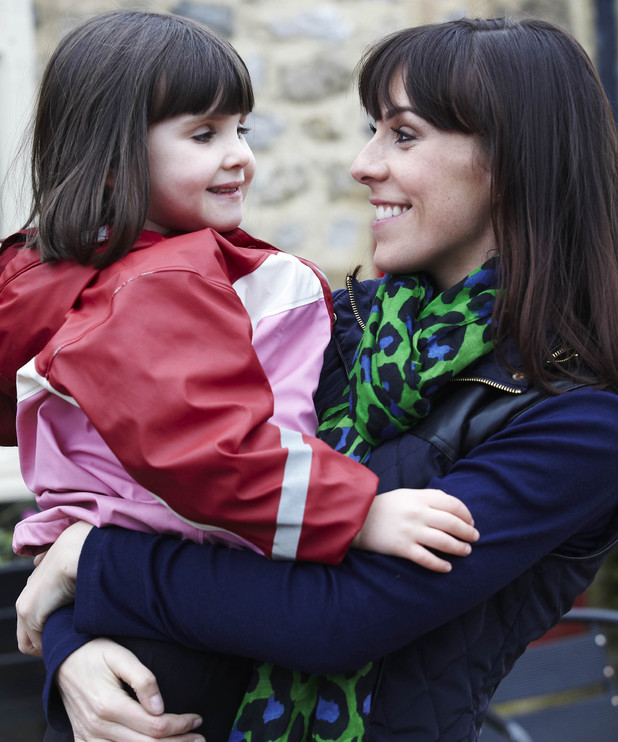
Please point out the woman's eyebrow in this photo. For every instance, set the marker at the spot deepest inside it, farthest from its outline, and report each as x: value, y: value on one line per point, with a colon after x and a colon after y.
x: 390, y: 113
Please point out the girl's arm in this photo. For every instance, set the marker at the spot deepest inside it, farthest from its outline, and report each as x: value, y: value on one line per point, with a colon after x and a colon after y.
x: 179, y: 396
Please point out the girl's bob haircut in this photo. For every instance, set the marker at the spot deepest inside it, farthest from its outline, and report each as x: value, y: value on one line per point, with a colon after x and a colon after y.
x: 531, y: 95
x: 106, y: 83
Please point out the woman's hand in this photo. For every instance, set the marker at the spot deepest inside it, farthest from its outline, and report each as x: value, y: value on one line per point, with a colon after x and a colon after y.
x: 50, y: 586
x: 100, y: 710
x: 407, y: 523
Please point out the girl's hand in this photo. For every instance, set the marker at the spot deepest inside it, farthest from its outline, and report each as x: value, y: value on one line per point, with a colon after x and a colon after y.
x: 407, y: 523
x: 50, y: 586
x: 90, y: 683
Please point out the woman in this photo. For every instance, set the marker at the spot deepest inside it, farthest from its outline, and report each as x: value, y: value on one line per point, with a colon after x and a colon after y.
x: 494, y: 147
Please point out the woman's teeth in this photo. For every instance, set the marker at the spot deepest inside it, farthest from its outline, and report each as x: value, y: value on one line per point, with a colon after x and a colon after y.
x: 386, y: 212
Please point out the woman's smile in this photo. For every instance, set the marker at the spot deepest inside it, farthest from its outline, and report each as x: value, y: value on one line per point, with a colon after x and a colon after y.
x: 388, y: 211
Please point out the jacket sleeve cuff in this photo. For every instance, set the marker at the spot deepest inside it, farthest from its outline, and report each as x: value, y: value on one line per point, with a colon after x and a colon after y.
x: 59, y: 640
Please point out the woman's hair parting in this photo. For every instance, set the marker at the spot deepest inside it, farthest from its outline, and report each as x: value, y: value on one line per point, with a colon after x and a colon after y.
x: 530, y: 93
x: 106, y: 83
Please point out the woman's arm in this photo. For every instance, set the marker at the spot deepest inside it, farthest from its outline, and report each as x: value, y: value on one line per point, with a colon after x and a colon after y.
x: 561, y: 454
x: 547, y: 479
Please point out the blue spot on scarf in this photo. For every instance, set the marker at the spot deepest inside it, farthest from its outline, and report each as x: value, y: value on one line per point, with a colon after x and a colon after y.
x: 273, y: 710
x: 327, y: 711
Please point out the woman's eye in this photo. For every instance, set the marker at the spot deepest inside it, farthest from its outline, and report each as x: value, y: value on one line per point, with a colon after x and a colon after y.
x: 403, y: 136
x: 372, y: 128
x: 243, y: 131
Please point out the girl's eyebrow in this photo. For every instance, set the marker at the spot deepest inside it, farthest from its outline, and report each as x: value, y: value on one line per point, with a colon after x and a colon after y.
x: 194, y: 120
x: 204, y: 117
x: 198, y: 118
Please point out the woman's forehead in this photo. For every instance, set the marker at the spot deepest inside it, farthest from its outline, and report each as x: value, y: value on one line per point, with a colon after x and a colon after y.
x: 395, y: 98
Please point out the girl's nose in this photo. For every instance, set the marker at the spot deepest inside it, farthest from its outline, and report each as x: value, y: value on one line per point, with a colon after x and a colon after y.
x: 369, y: 164
x: 238, y: 154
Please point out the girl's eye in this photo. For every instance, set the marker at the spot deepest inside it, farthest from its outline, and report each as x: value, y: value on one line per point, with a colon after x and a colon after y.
x: 243, y: 131
x: 403, y: 137
x: 203, y: 136
x: 372, y: 128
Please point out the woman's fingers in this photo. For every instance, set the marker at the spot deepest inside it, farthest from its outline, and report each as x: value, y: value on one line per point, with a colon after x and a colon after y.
x: 100, y: 710
x: 124, y: 665
x: 50, y: 586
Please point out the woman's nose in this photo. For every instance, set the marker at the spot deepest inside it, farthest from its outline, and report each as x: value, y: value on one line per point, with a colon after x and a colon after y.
x: 369, y: 164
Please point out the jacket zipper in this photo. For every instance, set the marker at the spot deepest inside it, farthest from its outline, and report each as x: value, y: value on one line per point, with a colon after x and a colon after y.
x: 350, y: 289
x: 567, y: 352
x: 488, y: 382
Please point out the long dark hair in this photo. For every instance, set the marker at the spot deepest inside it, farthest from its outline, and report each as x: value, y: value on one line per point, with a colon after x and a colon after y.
x: 106, y: 83
x: 532, y: 95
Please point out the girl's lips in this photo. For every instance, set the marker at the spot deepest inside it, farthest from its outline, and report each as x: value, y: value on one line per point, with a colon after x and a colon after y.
x: 224, y: 189
x: 227, y: 193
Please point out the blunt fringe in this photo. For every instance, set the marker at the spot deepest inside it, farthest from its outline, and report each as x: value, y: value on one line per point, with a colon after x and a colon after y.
x: 106, y: 83
x: 530, y: 93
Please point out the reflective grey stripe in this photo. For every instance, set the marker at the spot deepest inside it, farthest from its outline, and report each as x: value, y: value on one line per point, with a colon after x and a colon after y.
x: 293, y: 495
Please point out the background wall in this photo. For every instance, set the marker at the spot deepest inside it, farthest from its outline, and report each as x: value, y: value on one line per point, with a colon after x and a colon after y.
x: 307, y: 125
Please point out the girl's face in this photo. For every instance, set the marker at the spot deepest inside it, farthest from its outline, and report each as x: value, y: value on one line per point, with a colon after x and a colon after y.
x: 200, y: 171
x: 432, y: 196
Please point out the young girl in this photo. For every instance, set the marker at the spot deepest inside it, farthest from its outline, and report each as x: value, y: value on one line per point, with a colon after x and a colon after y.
x: 166, y: 361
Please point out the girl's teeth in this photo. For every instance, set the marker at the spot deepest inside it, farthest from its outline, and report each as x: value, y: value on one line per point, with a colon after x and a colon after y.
x: 386, y: 212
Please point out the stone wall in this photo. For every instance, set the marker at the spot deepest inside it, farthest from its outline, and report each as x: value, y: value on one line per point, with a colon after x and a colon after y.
x: 307, y: 126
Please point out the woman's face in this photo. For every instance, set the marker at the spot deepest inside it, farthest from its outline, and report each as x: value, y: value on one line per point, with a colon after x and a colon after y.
x: 431, y: 191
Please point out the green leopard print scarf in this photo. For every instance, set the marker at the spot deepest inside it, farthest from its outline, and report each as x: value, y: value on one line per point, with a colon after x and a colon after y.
x: 415, y: 341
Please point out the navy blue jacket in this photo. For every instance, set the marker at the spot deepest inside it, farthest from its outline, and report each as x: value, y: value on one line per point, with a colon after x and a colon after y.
x: 540, y: 476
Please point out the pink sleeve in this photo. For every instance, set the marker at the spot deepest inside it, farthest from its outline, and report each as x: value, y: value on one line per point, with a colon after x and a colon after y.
x: 75, y: 476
